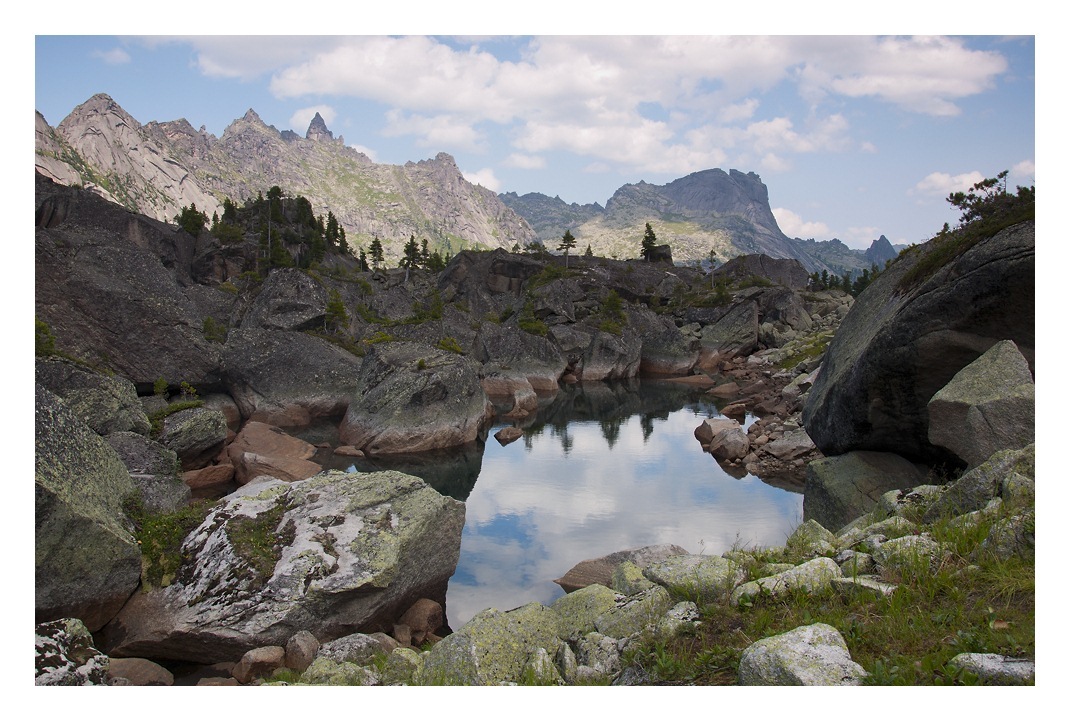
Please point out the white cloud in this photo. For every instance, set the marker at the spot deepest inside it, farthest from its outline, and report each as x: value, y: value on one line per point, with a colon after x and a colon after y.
x: 861, y: 237
x: 526, y: 162
x: 794, y: 226
x: 372, y: 155
x: 584, y: 94
x: 300, y: 120
x: 484, y: 177
x: 940, y: 185
x: 115, y: 56
x: 1024, y: 173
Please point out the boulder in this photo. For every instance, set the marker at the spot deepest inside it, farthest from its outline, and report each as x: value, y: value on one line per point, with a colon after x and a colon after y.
x: 424, y: 618
x: 905, y: 339
x: 974, y: 489
x: 154, y: 471
x: 793, y: 444
x: 580, y: 609
x: 508, y: 354
x: 64, y: 655
x: 735, y: 333
x: 139, y: 672
x: 301, y: 650
x: 507, y: 435
x: 814, y: 655
x: 600, y: 570
x: 492, y: 648
x: 610, y: 356
x: 842, y: 488
x: 911, y: 555
x: 416, y: 398
x: 259, y: 663
x: 261, y: 449
x: 695, y: 577
x: 289, y: 299
x: 710, y: 427
x: 288, y: 378
x: 996, y: 669
x: 787, y: 272
x: 210, y: 481
x: 108, y: 404
x: 86, y: 562
x: 988, y: 406
x: 332, y: 554
x: 730, y: 444
x: 633, y: 614
x: 358, y: 648
x: 814, y: 575
x: 196, y: 435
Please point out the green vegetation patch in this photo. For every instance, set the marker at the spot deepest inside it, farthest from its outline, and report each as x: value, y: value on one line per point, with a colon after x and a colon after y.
x: 259, y: 541
x: 160, y: 537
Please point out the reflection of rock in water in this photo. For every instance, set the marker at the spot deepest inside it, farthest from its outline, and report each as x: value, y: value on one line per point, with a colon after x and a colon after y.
x: 452, y: 472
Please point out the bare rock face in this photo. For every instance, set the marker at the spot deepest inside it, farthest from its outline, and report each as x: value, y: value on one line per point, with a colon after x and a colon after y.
x: 262, y: 449
x: 108, y: 404
x: 903, y: 341
x: 333, y: 554
x: 787, y: 272
x: 842, y: 488
x: 417, y: 398
x: 64, y: 655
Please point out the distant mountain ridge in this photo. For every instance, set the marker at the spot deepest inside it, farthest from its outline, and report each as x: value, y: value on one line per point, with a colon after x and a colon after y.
x: 161, y: 167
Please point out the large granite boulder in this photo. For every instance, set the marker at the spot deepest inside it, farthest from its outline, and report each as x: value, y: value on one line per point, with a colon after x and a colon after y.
x: 734, y: 333
x: 487, y: 282
x: 665, y: 350
x: 842, y: 488
x: 974, y: 489
x: 107, y: 404
x: 86, y: 562
x: 510, y: 355
x: 287, y: 378
x: 416, y: 398
x: 610, y: 356
x: 333, y: 554
x: 906, y: 338
x: 988, y: 406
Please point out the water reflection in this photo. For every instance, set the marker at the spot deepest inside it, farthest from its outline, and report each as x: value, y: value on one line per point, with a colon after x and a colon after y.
x: 600, y: 469
x: 604, y: 468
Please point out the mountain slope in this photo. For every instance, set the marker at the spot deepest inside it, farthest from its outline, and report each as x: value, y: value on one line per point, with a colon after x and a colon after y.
x: 161, y: 167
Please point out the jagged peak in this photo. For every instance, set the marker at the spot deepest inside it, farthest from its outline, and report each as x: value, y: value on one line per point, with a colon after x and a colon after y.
x: 317, y: 129
x: 251, y: 117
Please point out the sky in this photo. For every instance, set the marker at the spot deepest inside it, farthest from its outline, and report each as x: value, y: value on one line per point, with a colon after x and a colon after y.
x: 854, y: 136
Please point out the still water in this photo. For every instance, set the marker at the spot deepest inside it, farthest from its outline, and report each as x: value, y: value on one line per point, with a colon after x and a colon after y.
x: 601, y: 468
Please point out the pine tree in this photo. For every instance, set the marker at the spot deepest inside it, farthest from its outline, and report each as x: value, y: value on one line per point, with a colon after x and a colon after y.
x: 410, y: 254
x: 650, y: 241
x: 567, y: 243
x: 588, y: 253
x: 375, y: 252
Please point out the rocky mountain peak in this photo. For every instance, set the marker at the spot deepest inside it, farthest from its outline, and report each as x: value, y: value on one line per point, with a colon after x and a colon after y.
x: 880, y: 252
x: 251, y: 117
x: 317, y: 129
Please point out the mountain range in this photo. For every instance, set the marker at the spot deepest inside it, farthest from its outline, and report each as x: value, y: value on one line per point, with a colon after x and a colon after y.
x: 159, y: 168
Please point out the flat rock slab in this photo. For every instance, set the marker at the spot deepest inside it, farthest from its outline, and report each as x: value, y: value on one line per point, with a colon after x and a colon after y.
x: 600, y: 570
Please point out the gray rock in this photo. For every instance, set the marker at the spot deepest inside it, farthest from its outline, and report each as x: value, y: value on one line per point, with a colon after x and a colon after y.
x: 1012, y: 536
x: 196, y: 435
x: 580, y: 609
x: 790, y: 446
x: 350, y: 550
x: 107, y: 404
x: 813, y: 575
x: 702, y: 579
x: 904, y: 341
x: 64, y: 655
x: 988, y: 406
x: 138, y: 672
x: 599, y: 652
x: 975, y: 488
x: 995, y: 669
x: 289, y: 299
x: 814, y: 655
x: 852, y: 583
x: 154, y: 471
x: 810, y: 539
x: 325, y: 672
x: 540, y: 670
x: 400, y: 666
x: 261, y: 378
x: 633, y: 614
x: 839, y: 489
x: 601, y: 570
x: 910, y: 555
x: 736, y: 333
x: 259, y: 663
x: 86, y: 562
x: 492, y: 648
x: 855, y: 563
x: 628, y: 579
x: 355, y: 648
x: 416, y: 398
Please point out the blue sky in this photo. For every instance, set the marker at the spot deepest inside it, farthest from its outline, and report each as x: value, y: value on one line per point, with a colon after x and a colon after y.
x: 854, y: 135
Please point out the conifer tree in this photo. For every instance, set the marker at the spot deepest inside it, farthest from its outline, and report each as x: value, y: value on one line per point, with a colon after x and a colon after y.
x: 375, y: 252
x: 650, y: 241
x: 567, y: 243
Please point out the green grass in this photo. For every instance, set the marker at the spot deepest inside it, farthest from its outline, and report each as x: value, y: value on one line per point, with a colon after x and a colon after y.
x: 981, y: 605
x: 260, y: 540
x: 160, y: 537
